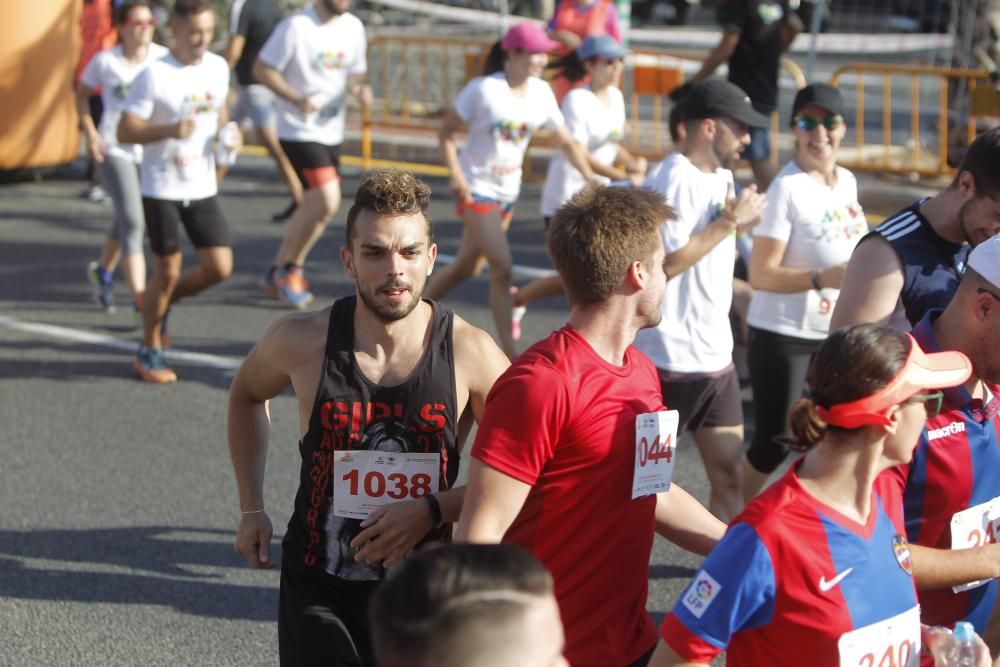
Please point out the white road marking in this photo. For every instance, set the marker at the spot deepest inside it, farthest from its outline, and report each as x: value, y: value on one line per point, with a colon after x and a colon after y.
x: 103, y: 340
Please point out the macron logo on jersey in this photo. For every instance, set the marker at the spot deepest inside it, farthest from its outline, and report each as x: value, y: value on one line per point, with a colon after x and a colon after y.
x: 946, y: 430
x: 700, y: 593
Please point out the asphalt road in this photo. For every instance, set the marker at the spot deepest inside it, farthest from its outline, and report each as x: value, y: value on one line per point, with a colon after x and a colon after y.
x: 117, y: 502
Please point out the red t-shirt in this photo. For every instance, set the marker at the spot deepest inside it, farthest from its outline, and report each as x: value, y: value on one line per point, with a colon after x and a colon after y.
x: 563, y: 420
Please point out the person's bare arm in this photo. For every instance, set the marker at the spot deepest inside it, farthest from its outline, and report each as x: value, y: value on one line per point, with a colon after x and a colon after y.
x: 684, y: 521
x: 95, y: 145
x: 449, y: 150
x: 871, y: 286
x: 234, y: 49
x: 263, y: 375
x: 491, y: 504
x: 720, y: 54
x: 135, y: 130
x: 358, y: 86
x: 793, y: 26
x: 740, y: 214
x: 273, y: 79
x: 665, y: 656
x: 767, y: 273
x: 575, y: 152
x: 400, y: 526
x: 943, y: 568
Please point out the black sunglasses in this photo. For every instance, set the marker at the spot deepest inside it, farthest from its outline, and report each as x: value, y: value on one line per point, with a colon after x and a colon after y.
x: 808, y: 123
x: 932, y: 401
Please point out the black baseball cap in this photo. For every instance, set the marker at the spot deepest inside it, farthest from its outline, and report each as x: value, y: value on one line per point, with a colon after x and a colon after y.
x: 715, y: 97
x: 822, y: 95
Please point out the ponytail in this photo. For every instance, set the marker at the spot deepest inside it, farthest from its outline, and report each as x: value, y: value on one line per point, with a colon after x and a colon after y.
x: 494, y: 60
x: 570, y: 67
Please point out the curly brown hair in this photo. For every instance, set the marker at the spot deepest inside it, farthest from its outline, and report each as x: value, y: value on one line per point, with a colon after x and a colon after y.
x: 390, y: 192
x: 594, y: 237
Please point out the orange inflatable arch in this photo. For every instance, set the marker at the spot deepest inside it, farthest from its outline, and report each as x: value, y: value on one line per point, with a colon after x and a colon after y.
x: 39, y: 51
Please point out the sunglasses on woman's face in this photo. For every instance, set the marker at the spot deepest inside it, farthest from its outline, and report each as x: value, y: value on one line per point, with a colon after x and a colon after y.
x: 808, y: 123
x: 932, y: 401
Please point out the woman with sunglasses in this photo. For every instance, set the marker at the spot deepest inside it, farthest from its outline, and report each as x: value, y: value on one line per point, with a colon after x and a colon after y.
x: 112, y: 71
x: 816, y: 570
x: 595, y: 117
x: 502, y: 110
x: 809, y: 229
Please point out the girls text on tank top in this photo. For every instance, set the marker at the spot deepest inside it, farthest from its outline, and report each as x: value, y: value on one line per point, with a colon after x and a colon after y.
x: 352, y: 413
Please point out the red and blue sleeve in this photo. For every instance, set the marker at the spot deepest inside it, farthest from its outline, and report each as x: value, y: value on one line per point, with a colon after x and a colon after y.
x: 734, y: 590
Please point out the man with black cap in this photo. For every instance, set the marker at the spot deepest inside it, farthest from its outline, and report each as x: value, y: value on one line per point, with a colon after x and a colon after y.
x: 692, y: 347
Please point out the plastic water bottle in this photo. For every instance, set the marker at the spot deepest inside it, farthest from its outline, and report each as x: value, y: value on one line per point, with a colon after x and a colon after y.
x: 963, y: 650
x: 226, y: 153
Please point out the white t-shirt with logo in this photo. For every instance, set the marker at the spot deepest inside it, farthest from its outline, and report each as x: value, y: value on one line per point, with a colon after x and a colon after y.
x: 596, y: 125
x: 167, y: 92
x: 109, y: 71
x: 820, y: 226
x: 500, y: 128
x: 694, y: 334
x: 316, y: 59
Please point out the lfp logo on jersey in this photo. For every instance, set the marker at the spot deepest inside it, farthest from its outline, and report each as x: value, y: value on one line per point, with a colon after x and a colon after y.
x: 700, y: 593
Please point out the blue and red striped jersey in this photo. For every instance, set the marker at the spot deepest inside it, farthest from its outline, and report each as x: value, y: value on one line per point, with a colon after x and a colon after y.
x: 792, y: 577
x: 955, y: 466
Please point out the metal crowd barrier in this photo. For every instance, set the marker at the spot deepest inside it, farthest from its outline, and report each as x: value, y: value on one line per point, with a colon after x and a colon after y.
x: 923, y: 144
x: 415, y: 80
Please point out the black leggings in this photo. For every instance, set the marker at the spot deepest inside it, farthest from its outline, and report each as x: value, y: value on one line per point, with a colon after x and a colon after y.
x: 778, y: 366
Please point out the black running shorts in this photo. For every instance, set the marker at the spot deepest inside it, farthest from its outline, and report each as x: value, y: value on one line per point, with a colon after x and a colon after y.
x: 202, y: 219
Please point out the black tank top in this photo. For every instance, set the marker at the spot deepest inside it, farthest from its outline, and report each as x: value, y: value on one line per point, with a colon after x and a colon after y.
x: 351, y: 412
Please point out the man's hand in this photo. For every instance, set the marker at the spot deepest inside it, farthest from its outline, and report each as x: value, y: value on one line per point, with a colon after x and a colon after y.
x: 95, y: 148
x: 184, y: 128
x: 392, y: 531
x: 305, y: 105
x: 832, y: 276
x: 459, y: 186
x: 743, y: 212
x: 253, y: 540
x: 364, y: 94
x: 938, y: 642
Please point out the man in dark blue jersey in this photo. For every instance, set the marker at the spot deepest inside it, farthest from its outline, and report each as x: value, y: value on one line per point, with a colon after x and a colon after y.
x: 913, y: 261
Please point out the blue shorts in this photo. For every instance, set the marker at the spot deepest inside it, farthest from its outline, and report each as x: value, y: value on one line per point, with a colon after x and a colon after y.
x: 760, y: 140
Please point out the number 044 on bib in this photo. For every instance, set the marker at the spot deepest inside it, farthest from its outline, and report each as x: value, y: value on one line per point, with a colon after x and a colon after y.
x: 655, y: 448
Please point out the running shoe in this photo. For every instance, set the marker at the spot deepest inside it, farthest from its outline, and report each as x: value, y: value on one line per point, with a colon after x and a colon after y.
x: 292, y: 287
x: 151, y: 366
x: 516, y: 315
x: 266, y: 281
x: 281, y: 216
x: 100, y: 282
x: 96, y: 194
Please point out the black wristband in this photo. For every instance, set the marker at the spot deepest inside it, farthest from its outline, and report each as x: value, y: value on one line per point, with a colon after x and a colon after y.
x: 435, y: 506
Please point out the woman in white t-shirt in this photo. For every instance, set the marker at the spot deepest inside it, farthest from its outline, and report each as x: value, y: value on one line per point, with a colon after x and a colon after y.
x: 809, y: 229
x: 595, y: 116
x: 501, y: 110
x: 112, y: 72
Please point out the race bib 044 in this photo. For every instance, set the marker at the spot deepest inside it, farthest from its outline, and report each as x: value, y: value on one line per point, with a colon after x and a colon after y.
x: 655, y: 449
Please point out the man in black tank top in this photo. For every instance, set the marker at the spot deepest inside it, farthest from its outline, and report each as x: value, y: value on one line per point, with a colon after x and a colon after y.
x: 913, y: 261
x: 382, y: 379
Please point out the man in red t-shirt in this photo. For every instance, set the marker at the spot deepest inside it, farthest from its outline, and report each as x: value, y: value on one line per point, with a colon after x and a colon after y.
x: 555, y: 466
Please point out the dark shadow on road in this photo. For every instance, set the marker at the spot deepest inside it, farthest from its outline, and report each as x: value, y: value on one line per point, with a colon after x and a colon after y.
x: 146, y: 551
x: 670, y: 572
